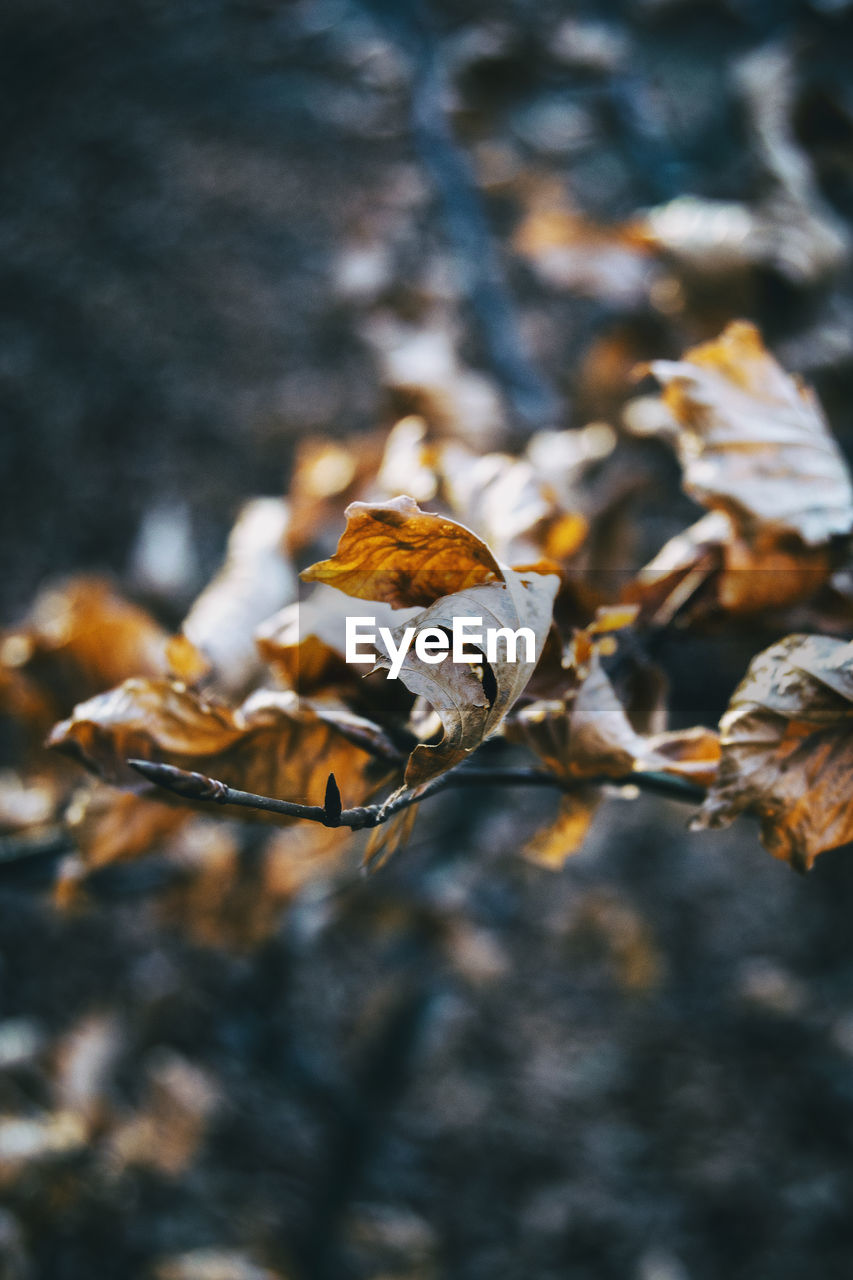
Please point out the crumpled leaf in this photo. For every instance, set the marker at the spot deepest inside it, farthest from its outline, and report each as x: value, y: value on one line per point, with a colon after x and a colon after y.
x: 255, y: 580
x: 754, y: 441
x: 394, y: 552
x: 470, y: 701
x: 274, y: 743
x: 787, y: 749
x: 756, y: 450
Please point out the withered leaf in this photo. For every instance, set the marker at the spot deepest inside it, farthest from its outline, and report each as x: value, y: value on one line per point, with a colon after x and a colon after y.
x: 553, y: 844
x: 711, y: 566
x: 394, y: 552
x: 274, y: 744
x: 754, y: 441
x: 109, y: 825
x: 587, y: 734
x: 471, y: 700
x: 787, y: 749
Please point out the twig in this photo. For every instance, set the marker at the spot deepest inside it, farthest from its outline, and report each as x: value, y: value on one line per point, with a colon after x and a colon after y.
x: 197, y: 786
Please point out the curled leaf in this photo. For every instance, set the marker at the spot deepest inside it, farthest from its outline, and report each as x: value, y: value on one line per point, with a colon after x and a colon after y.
x: 274, y: 744
x: 472, y: 699
x: 787, y: 749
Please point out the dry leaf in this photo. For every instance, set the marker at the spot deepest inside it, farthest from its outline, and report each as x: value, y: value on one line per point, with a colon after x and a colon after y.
x: 472, y: 699
x: 109, y: 825
x: 757, y: 450
x: 274, y: 744
x: 787, y: 749
x: 524, y: 508
x: 754, y: 441
x: 394, y: 552
x: 305, y: 643
x: 587, y: 734
x: 551, y: 846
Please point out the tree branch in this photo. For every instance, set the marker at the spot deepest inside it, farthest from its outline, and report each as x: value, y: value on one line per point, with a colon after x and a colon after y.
x: 197, y: 786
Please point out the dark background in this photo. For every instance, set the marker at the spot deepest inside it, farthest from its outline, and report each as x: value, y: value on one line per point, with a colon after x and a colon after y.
x: 463, y: 1067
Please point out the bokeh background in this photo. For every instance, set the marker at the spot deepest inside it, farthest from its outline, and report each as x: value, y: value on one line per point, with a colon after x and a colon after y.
x: 227, y: 226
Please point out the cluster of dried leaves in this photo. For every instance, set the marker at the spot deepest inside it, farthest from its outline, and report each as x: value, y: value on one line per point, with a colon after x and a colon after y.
x: 254, y: 689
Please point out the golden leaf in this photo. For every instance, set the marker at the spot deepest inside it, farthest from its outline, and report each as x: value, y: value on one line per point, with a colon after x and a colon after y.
x: 394, y: 552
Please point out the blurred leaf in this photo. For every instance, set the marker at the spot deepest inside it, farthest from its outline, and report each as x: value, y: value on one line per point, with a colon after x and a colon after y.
x: 255, y: 580
x: 79, y: 638
x: 754, y: 441
x: 787, y: 749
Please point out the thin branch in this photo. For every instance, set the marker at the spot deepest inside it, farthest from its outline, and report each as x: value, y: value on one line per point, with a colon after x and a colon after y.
x: 197, y: 786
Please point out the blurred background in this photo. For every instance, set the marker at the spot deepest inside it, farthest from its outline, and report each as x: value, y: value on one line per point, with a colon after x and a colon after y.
x: 228, y: 227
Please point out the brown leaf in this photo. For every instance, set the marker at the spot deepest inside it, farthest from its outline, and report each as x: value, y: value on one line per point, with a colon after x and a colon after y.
x: 274, y: 744
x: 709, y: 566
x: 587, y: 734
x: 787, y: 749
x: 305, y: 643
x: 109, y: 825
x: 523, y: 508
x: 754, y: 441
x: 394, y: 552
